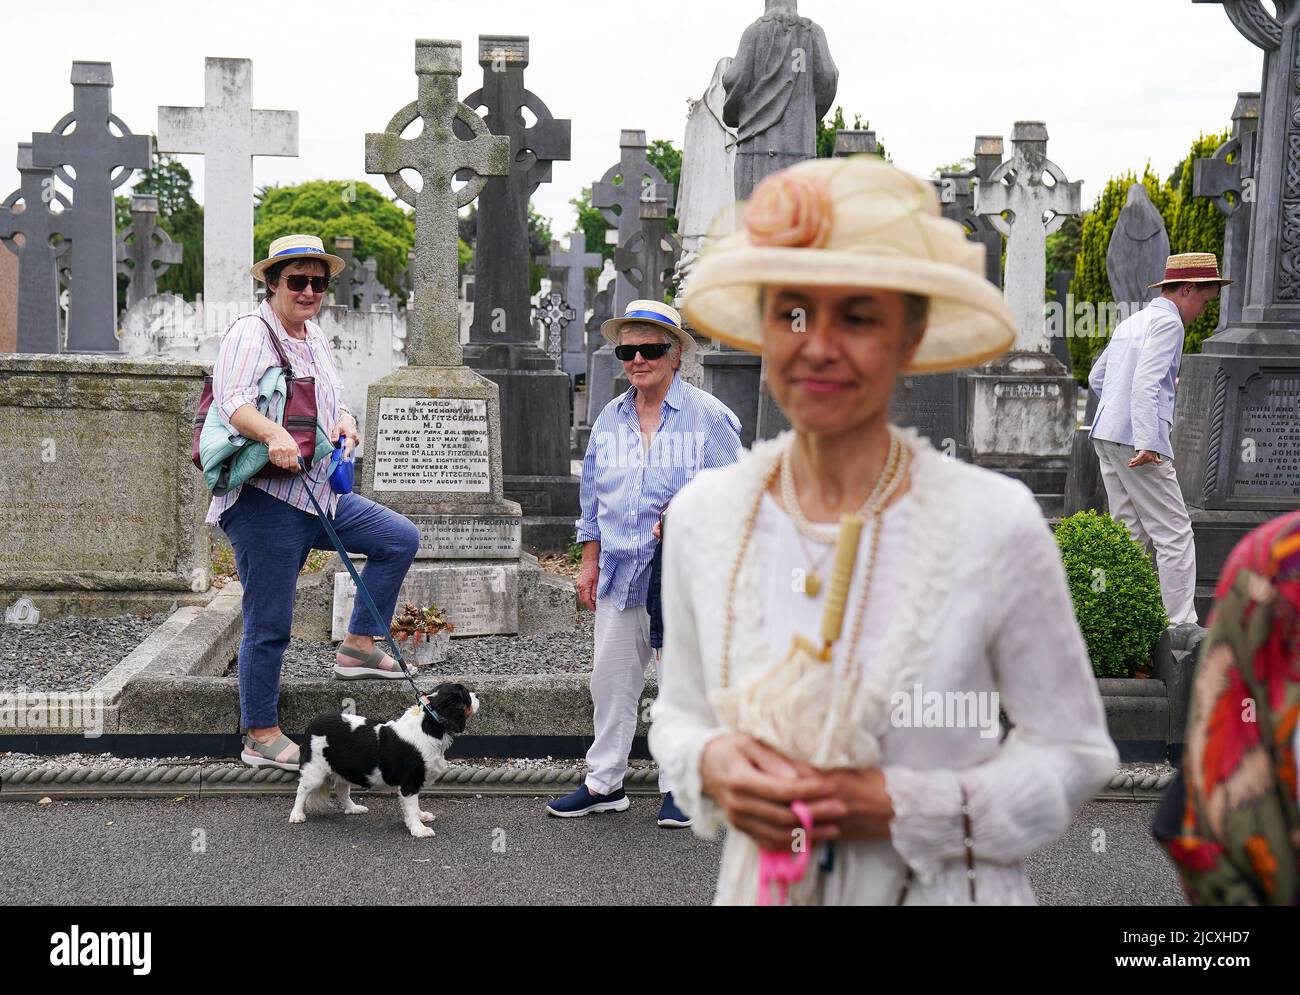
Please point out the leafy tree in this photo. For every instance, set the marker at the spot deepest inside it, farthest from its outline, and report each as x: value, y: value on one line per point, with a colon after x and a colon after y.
x: 826, y: 134
x: 1198, y: 227
x: 668, y: 160
x: 179, y: 215
x: 382, y: 230
x: 1063, y: 248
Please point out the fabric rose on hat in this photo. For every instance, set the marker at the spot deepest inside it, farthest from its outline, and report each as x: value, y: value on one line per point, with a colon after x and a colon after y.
x: 786, y: 209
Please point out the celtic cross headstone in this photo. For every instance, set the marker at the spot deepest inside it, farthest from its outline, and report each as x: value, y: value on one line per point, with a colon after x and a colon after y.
x: 145, y: 251
x: 89, y: 156
x: 28, y: 229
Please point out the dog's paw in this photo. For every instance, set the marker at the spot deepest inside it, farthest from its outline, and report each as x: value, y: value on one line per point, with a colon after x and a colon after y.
x: 297, y: 816
x: 355, y: 810
x: 422, y: 832
x: 427, y: 816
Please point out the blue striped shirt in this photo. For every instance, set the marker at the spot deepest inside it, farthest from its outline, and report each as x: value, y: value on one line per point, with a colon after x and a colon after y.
x: 624, y: 487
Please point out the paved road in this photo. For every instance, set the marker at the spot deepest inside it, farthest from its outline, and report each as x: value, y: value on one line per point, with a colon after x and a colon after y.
x: 144, y: 851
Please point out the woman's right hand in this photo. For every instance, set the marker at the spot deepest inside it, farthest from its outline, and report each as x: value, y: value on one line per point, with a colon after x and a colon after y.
x: 588, y: 583
x: 283, y: 450
x: 755, y: 785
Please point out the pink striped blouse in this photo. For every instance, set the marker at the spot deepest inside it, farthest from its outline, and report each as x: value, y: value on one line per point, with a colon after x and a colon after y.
x: 246, y: 354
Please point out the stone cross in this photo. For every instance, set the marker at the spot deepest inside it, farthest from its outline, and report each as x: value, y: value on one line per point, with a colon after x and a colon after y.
x: 501, y: 251
x: 851, y: 142
x: 343, y: 289
x: 618, y: 194
x: 1270, y: 292
x: 227, y: 132
x: 1231, y: 186
x: 101, y: 160
x: 38, y: 260
x: 554, y: 315
x: 570, y: 270
x: 433, y: 335
x: 1017, y: 186
x: 374, y: 295
x: 142, y: 245
x: 647, y: 260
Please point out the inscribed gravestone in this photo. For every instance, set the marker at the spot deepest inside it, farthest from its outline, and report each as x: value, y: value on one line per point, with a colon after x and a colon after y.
x: 83, y: 145
x: 433, y: 435
x: 1236, y: 407
x: 228, y: 133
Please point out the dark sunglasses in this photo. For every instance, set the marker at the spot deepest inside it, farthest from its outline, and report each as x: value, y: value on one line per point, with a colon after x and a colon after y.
x: 653, y: 350
x: 298, y: 283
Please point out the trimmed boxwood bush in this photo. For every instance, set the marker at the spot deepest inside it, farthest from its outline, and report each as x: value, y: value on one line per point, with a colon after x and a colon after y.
x: 1116, y: 592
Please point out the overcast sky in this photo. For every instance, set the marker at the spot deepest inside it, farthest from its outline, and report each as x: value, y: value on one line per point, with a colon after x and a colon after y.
x: 1118, y: 82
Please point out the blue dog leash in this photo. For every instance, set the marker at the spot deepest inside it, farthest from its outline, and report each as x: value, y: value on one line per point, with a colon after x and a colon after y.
x: 361, y: 590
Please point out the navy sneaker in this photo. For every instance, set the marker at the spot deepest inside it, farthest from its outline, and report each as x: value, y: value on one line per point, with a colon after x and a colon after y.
x: 584, y: 802
x: 670, y: 816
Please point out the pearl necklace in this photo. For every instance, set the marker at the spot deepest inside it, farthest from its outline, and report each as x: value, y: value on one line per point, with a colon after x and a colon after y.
x: 812, y: 583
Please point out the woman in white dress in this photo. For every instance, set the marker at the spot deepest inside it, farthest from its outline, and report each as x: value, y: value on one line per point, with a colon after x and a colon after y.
x: 844, y: 276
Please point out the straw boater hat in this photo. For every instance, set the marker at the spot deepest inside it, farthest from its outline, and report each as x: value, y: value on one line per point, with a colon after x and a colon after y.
x: 296, y: 248
x: 852, y: 222
x: 1192, y: 267
x: 649, y: 313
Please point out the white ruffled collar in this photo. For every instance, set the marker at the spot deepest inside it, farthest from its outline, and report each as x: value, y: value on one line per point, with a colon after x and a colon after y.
x: 918, y: 610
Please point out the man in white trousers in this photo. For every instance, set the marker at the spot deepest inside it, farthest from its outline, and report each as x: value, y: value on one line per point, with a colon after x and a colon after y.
x: 1134, y: 379
x: 646, y: 445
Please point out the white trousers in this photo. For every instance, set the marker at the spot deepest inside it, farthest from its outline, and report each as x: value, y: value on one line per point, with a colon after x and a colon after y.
x: 617, y: 680
x: 1148, y: 501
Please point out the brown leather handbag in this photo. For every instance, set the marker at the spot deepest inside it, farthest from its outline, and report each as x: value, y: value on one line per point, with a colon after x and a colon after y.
x: 298, y: 416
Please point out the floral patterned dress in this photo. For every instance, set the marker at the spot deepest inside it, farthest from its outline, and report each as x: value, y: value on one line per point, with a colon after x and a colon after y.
x: 1239, y: 842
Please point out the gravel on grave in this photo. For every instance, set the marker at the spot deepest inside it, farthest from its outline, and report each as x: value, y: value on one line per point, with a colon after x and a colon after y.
x: 70, y: 653
x: 545, y: 653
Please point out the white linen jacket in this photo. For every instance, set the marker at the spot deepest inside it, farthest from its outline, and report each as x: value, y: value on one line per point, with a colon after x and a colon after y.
x: 1134, y: 376
x: 983, y: 605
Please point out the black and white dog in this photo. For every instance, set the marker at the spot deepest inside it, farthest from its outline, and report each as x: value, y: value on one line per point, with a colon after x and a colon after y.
x: 404, y: 753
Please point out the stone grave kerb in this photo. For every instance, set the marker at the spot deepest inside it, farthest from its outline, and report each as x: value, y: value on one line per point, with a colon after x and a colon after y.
x: 1016, y: 187
x: 1226, y: 177
x: 501, y: 251
x: 228, y: 132
x: 101, y: 160
x: 38, y: 259
x: 433, y: 427
x: 141, y: 245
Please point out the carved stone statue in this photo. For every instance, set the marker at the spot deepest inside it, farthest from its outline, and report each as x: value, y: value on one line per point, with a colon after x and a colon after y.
x: 780, y: 84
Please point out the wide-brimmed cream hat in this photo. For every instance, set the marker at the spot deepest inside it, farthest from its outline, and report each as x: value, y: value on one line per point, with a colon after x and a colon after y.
x: 653, y: 313
x: 851, y: 222
x: 1192, y: 267
x: 297, y: 248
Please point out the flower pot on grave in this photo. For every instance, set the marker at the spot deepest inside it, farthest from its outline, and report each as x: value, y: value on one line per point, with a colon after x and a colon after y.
x: 424, y: 648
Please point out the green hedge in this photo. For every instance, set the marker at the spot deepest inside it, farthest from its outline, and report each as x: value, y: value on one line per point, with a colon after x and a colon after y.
x: 1116, y: 592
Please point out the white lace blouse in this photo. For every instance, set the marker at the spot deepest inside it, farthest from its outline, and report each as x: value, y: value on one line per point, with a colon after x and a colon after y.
x: 969, y: 596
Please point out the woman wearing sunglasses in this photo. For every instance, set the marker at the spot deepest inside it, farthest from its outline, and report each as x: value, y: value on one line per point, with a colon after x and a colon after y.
x: 880, y: 755
x: 270, y: 521
x: 645, y: 446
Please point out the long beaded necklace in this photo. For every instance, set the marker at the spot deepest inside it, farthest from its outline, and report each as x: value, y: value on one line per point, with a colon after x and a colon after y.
x: 812, y: 583
x: 897, y: 471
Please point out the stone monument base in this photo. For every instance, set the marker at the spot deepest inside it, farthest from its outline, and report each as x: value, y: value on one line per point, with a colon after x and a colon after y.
x: 733, y: 377
x: 1022, y: 412
x: 935, y: 405
x: 480, y: 597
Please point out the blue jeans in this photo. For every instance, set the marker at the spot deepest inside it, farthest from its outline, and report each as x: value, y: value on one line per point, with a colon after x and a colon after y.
x: 271, y: 539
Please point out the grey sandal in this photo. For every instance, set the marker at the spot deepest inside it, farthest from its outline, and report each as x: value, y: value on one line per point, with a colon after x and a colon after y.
x: 281, y: 752
x: 368, y: 666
